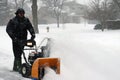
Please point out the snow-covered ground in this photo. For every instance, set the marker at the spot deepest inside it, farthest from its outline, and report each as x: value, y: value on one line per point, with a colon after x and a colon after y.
x: 85, y: 54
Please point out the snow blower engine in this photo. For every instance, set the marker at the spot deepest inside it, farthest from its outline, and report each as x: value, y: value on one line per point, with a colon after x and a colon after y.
x: 38, y: 59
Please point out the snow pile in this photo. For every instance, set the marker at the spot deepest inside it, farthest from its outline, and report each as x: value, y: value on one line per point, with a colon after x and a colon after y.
x: 51, y: 74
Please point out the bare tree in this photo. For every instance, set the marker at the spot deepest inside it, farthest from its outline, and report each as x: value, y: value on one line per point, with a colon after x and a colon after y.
x: 16, y: 4
x: 19, y: 3
x: 22, y: 3
x: 95, y: 9
x: 102, y: 11
x: 56, y: 6
x: 34, y: 14
x: 117, y: 2
x: 4, y: 11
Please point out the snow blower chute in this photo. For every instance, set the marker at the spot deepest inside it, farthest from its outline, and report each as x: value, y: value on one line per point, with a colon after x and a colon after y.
x: 38, y: 59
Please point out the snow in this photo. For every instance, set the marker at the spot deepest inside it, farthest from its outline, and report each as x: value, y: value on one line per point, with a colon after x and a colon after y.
x: 85, y: 54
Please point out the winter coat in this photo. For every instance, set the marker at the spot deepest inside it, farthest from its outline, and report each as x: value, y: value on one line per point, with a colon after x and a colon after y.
x: 17, y: 28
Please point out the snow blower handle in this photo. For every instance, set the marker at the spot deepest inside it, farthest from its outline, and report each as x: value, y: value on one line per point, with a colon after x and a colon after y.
x: 30, y: 43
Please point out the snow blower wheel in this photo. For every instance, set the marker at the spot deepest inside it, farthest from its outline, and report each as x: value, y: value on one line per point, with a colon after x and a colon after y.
x: 25, y: 70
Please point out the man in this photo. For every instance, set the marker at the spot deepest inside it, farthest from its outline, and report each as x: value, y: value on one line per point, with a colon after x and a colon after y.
x: 17, y: 29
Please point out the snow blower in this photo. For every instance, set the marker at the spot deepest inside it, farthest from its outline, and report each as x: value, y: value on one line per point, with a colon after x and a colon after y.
x: 38, y: 59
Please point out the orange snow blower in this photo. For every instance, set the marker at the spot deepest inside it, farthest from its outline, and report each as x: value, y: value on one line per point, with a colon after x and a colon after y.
x: 39, y: 65
x: 34, y: 67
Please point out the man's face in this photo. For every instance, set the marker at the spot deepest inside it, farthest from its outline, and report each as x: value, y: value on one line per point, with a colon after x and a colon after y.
x: 21, y: 14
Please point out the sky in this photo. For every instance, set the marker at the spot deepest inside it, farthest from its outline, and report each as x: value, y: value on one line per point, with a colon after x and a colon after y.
x: 86, y: 2
x: 85, y: 53
x: 83, y: 1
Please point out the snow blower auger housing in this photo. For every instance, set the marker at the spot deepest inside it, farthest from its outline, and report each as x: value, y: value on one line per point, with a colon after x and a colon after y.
x: 41, y: 63
x: 37, y: 60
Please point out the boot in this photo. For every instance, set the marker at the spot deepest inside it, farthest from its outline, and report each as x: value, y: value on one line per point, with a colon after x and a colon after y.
x: 17, y: 65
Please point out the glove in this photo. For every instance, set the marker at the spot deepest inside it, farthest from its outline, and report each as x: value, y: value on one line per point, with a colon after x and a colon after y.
x: 33, y: 37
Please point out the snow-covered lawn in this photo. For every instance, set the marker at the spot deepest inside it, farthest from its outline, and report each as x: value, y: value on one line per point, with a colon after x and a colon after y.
x: 85, y: 54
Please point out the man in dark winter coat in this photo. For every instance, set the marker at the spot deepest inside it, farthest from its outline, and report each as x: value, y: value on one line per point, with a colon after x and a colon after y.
x: 17, y: 29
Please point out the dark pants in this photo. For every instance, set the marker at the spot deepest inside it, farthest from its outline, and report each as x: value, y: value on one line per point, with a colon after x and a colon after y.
x: 17, y: 50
